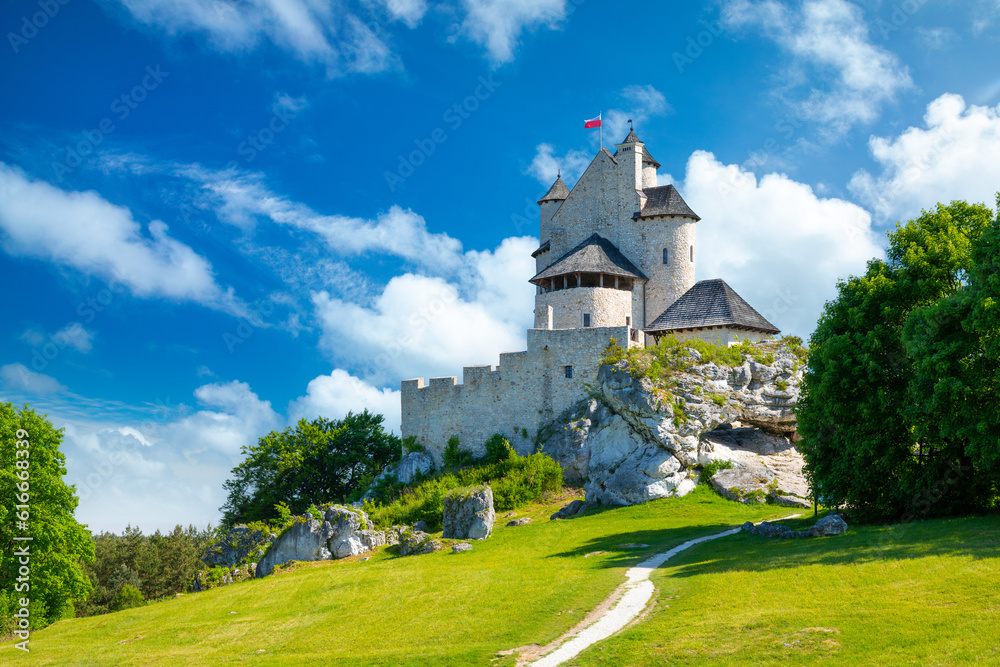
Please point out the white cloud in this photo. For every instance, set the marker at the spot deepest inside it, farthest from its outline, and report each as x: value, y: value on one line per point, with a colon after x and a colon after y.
x: 334, y: 395
x: 409, y: 12
x: 641, y: 104
x: 18, y: 377
x: 312, y: 31
x: 833, y: 37
x: 88, y: 233
x: 73, y: 335
x: 781, y: 247
x: 956, y: 155
x: 425, y: 326
x: 545, y: 166
x: 241, y: 199
x: 497, y: 24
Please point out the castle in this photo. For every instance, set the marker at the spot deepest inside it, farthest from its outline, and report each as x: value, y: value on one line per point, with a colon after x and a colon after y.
x: 616, y: 261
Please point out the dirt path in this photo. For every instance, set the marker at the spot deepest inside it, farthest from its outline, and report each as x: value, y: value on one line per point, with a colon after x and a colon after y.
x: 634, y: 595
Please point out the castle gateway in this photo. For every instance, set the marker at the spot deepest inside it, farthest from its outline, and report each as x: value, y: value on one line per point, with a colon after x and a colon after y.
x: 616, y: 261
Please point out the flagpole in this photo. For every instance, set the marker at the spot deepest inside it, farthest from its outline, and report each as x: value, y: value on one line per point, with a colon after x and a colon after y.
x: 600, y: 117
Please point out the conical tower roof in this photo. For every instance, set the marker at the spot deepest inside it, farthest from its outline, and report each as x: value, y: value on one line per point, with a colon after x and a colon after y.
x: 632, y: 138
x: 558, y: 191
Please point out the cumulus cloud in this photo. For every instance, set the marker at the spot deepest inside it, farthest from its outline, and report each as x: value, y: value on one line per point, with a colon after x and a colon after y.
x: 426, y: 326
x: 83, y: 231
x: 546, y: 165
x: 497, y: 24
x: 775, y: 242
x: 313, y: 32
x: 832, y: 37
x: 18, y: 377
x: 956, y: 155
x: 334, y: 395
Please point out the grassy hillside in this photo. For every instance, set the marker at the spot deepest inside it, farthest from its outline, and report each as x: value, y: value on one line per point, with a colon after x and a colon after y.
x: 921, y: 593
x: 523, y: 585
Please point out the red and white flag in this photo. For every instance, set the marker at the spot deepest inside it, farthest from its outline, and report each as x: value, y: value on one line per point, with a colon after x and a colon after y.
x: 592, y: 123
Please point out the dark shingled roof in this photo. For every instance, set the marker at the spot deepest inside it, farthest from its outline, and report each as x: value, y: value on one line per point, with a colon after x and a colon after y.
x: 710, y: 303
x: 632, y: 138
x: 664, y: 200
x: 595, y: 255
x: 557, y: 192
x: 649, y: 159
x: 542, y: 248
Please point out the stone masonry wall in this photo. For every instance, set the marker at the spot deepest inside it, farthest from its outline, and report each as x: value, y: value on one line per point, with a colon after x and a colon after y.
x: 526, y: 391
x: 608, y: 307
x: 723, y: 335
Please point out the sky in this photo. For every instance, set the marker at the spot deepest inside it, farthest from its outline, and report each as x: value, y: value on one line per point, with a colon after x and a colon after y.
x: 217, y: 218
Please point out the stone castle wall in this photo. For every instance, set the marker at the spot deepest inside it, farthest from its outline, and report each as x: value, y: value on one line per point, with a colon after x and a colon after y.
x: 526, y: 391
x: 607, y: 306
x: 723, y: 335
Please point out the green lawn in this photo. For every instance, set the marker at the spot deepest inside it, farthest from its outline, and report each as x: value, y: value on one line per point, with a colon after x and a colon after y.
x: 524, y: 585
x: 924, y: 593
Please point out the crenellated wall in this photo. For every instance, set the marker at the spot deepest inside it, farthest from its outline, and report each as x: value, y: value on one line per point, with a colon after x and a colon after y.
x: 526, y: 391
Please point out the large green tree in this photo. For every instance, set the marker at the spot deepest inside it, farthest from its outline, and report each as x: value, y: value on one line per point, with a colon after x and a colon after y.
x: 315, y: 462
x: 871, y: 410
x: 31, y: 474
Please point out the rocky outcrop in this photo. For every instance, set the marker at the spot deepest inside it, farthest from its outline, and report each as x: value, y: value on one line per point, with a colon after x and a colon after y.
x: 409, y: 467
x: 523, y: 521
x: 343, y: 532
x: 832, y: 524
x: 635, y: 441
x: 239, y: 544
x: 416, y: 543
x: 469, y: 514
x: 221, y: 576
x: 575, y: 507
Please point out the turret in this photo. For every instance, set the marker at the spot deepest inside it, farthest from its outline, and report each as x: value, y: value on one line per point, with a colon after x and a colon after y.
x: 549, y: 204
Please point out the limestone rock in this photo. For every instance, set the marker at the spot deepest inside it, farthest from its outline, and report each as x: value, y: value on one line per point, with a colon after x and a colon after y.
x: 459, y: 548
x: 575, y: 507
x: 768, y: 529
x: 412, y: 464
x: 523, y: 521
x: 415, y: 543
x: 304, y: 540
x: 238, y: 544
x: 745, y: 485
x: 831, y: 524
x: 469, y: 514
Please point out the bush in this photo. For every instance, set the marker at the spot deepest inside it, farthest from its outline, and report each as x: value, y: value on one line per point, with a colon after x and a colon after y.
x: 710, y: 468
x: 515, y: 481
x: 498, y: 448
x: 454, y: 456
x: 411, y: 445
x: 127, y: 598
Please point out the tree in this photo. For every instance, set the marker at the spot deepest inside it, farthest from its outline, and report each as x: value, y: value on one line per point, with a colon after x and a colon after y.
x: 867, y: 443
x: 58, y: 542
x: 315, y: 462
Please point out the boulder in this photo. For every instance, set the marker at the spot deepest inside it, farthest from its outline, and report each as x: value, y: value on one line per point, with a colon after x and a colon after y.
x: 459, y: 548
x: 304, y: 540
x: 519, y: 522
x: 831, y: 524
x: 238, y: 544
x: 415, y: 543
x: 746, y: 485
x: 469, y: 514
x: 574, y: 507
x: 412, y: 464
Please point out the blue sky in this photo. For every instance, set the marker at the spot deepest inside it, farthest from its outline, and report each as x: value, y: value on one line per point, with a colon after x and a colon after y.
x: 216, y: 218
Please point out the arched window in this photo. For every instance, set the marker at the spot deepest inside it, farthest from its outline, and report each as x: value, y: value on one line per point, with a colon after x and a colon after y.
x: 666, y: 254
x: 692, y: 253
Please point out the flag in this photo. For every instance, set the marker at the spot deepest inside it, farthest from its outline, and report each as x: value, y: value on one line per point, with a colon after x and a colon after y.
x: 592, y: 123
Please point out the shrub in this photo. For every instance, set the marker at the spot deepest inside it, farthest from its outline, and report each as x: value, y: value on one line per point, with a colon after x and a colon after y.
x: 454, y: 456
x: 712, y: 467
x: 411, y: 445
x: 127, y: 598
x: 498, y: 448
